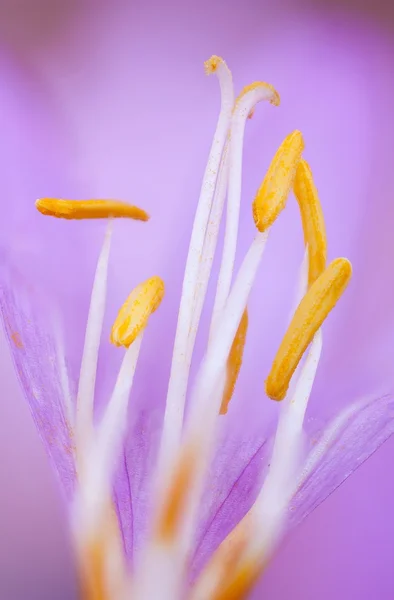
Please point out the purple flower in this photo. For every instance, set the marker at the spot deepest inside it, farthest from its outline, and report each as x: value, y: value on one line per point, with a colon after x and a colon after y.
x: 44, y: 305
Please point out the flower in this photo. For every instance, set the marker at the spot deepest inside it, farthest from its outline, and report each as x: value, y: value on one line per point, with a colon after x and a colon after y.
x: 87, y: 455
x: 246, y: 405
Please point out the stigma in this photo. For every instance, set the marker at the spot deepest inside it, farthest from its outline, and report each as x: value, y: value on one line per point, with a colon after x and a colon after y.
x: 89, y: 209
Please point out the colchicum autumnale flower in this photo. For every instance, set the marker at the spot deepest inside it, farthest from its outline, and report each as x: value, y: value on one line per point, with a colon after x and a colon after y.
x: 212, y: 529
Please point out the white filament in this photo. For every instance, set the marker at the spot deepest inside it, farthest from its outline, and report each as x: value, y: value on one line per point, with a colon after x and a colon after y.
x: 204, y: 406
x: 180, y: 367
x: 271, y: 505
x: 241, y: 113
x: 210, y: 243
x: 87, y: 378
x: 104, y: 452
x: 302, y: 281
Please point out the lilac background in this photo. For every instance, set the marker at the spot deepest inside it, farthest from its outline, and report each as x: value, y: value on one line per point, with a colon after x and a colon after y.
x: 86, y: 89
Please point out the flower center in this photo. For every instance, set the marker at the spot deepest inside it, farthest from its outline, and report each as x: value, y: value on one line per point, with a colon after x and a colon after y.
x: 186, y: 449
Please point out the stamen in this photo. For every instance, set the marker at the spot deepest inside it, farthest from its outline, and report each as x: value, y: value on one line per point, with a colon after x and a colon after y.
x: 89, y: 209
x: 245, y: 103
x: 135, y: 312
x: 312, y: 220
x: 234, y: 362
x: 271, y: 197
x: 310, y: 314
x: 87, y: 378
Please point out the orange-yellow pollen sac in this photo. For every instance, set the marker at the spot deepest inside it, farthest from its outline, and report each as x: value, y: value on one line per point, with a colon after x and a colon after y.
x: 234, y: 362
x: 272, y: 195
x: 135, y: 312
x: 211, y: 65
x: 312, y: 220
x: 314, y: 307
x: 273, y: 99
x: 89, y: 209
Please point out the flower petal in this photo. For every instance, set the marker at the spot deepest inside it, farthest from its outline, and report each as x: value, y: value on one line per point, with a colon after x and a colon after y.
x: 351, y: 438
x: 233, y: 483
x: 133, y: 482
x: 28, y: 324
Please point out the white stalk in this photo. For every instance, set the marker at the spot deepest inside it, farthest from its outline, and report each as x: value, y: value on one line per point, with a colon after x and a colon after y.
x: 180, y: 367
x: 302, y: 286
x: 87, y: 379
x: 271, y: 505
x: 210, y: 243
x: 245, y: 106
x: 203, y: 404
x: 107, y: 445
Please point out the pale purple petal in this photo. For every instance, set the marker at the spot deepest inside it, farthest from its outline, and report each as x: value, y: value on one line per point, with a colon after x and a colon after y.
x: 29, y: 325
x: 233, y: 482
x: 133, y: 484
x: 344, y: 445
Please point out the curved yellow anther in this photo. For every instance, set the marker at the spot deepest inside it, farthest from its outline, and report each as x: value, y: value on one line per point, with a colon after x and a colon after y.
x: 314, y: 307
x: 234, y: 362
x: 272, y: 195
x: 89, y: 209
x: 135, y: 312
x: 211, y: 65
x: 274, y: 97
x: 312, y: 220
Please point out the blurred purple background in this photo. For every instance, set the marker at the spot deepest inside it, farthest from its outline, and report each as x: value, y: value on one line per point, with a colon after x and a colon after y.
x: 67, y: 69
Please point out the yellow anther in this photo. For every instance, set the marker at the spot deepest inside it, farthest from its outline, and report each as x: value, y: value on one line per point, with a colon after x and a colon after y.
x: 89, y: 209
x: 234, y: 362
x: 314, y: 307
x: 135, y: 312
x: 312, y: 220
x: 272, y: 195
x: 274, y: 99
x: 211, y: 65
